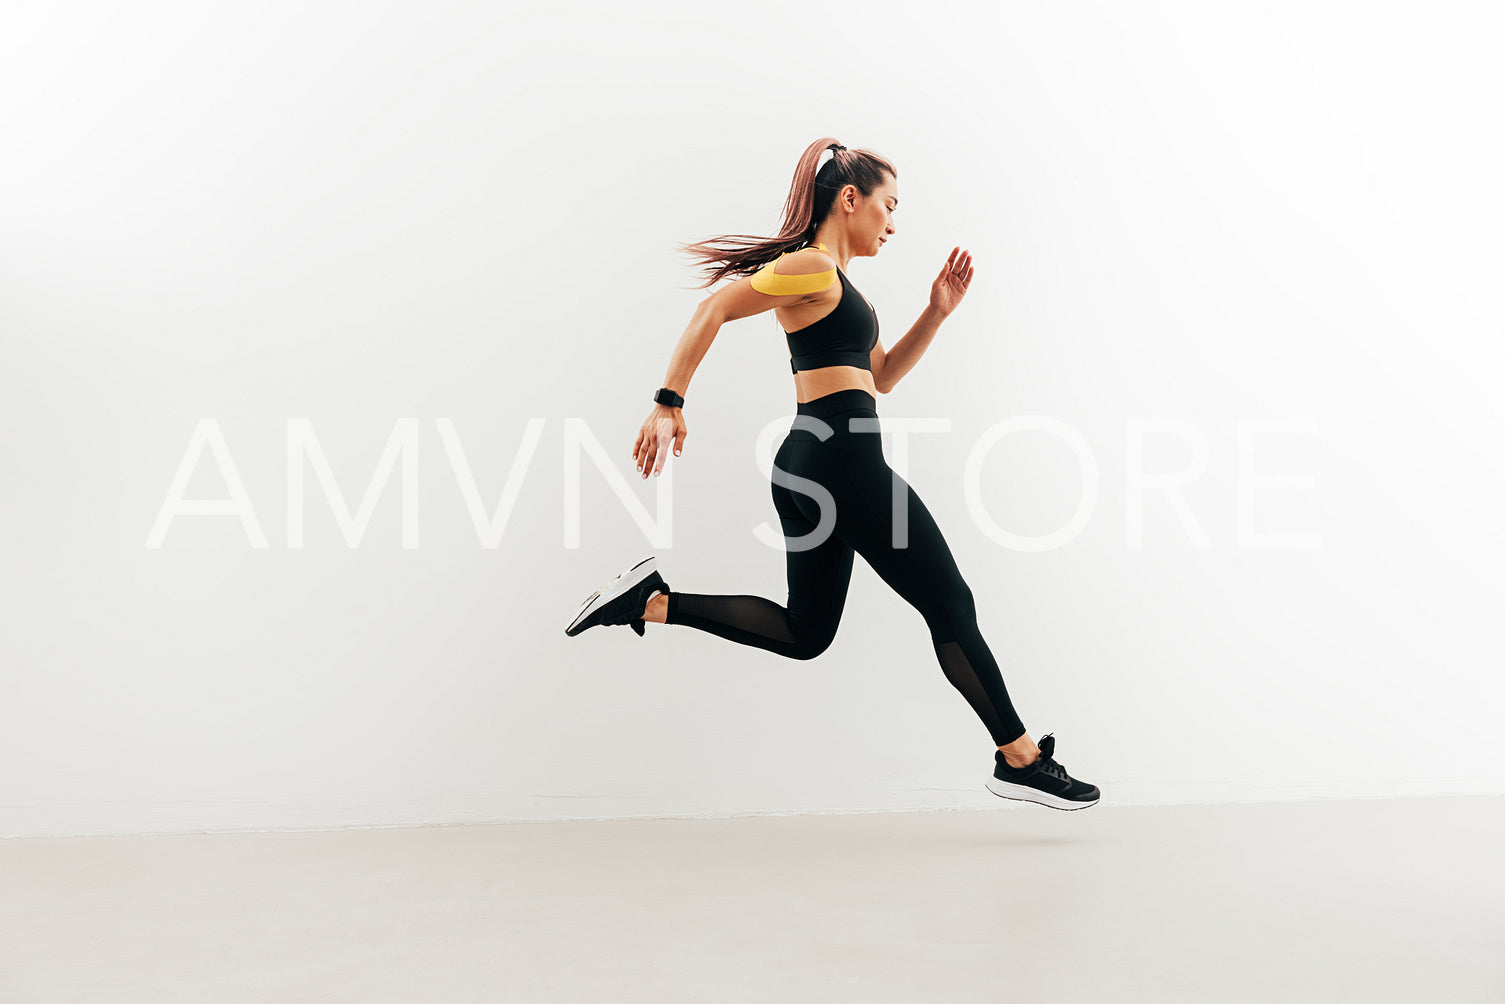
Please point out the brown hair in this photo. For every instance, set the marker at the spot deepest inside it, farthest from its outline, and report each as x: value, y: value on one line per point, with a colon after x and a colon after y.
x: 809, y: 203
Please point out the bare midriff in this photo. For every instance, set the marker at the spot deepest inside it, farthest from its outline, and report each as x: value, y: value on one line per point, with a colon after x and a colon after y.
x: 811, y: 384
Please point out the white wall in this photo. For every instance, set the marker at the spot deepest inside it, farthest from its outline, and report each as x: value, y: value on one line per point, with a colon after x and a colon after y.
x: 361, y: 216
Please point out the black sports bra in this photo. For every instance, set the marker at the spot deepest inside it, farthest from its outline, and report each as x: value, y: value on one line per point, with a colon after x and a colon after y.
x: 844, y: 337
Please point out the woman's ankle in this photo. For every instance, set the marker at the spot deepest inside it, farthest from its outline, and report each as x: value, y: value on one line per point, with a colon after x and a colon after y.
x: 657, y: 610
x: 1021, y: 752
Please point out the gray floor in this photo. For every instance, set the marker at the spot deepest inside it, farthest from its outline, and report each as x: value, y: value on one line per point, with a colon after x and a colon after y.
x: 1396, y: 900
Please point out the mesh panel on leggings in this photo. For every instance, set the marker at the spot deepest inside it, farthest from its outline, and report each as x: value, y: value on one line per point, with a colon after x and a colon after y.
x: 745, y: 619
x: 1003, y: 725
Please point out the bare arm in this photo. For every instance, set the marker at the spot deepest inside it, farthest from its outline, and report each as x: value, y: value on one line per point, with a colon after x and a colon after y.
x: 889, y: 367
x: 946, y: 294
x: 692, y: 346
x: 665, y: 425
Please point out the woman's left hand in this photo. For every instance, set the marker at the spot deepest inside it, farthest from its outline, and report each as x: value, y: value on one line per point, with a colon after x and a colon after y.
x: 951, y: 285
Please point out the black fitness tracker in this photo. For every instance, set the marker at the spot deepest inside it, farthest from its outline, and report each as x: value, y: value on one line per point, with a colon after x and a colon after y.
x: 666, y: 396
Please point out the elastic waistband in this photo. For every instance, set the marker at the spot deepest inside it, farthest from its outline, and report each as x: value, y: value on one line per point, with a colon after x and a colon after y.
x: 837, y: 402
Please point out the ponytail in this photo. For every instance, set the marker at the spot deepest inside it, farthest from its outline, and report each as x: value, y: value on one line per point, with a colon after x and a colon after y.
x: 811, y: 195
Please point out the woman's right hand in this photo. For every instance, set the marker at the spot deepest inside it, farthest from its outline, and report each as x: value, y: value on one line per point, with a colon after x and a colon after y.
x: 664, y: 425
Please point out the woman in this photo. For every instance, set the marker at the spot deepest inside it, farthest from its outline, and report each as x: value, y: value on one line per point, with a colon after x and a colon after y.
x: 834, y: 492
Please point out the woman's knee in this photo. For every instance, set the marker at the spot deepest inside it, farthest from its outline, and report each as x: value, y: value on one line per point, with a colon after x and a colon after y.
x: 962, y: 601
x: 950, y: 610
x: 812, y: 639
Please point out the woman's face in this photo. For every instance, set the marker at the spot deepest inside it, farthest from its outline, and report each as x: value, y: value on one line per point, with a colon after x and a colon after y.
x: 874, y: 222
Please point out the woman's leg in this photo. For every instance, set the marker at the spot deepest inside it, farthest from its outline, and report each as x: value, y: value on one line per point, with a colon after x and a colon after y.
x: 818, y: 580
x: 924, y: 573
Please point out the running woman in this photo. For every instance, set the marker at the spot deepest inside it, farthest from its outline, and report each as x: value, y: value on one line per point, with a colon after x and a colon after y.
x: 834, y: 493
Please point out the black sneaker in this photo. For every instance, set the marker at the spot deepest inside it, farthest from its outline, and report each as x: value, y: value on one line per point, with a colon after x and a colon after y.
x: 1043, y: 781
x: 620, y: 601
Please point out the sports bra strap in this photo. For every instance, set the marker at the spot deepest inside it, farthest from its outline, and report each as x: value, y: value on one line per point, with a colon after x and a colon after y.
x: 766, y: 280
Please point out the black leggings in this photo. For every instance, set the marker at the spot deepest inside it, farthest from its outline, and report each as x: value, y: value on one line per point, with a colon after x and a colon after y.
x: 826, y: 470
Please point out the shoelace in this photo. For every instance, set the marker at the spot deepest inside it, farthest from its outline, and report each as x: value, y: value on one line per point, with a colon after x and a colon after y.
x: 1048, y: 763
x: 1049, y: 766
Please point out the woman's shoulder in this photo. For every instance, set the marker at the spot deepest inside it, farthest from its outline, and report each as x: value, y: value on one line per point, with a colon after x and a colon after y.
x: 806, y: 259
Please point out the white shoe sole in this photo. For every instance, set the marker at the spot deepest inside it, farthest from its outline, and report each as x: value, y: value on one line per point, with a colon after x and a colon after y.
x: 1024, y: 793
x: 616, y: 587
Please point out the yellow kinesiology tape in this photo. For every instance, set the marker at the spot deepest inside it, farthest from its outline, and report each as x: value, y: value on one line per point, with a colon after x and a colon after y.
x: 766, y: 280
